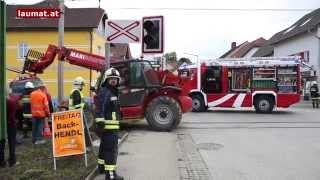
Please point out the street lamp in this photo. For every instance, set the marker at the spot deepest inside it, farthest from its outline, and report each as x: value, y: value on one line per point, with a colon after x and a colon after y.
x: 198, y: 69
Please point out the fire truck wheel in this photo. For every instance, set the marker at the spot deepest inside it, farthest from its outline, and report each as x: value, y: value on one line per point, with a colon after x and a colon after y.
x: 198, y: 104
x: 264, y: 104
x: 163, y: 113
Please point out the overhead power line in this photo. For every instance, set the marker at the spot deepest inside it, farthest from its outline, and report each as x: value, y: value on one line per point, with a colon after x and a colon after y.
x: 211, y: 9
x: 202, y: 9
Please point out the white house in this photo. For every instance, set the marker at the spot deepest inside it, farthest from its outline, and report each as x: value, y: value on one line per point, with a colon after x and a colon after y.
x: 303, y: 39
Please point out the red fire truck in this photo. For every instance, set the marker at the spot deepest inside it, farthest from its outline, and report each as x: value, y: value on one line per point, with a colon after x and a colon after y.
x: 263, y: 83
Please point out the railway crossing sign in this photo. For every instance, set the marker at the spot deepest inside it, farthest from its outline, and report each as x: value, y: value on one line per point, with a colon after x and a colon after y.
x: 123, y: 31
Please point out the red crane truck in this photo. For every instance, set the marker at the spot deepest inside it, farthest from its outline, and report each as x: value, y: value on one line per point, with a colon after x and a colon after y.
x: 159, y: 96
x: 263, y: 83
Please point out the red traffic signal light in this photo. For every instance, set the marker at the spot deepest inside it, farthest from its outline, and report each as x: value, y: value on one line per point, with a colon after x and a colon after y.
x: 152, y: 34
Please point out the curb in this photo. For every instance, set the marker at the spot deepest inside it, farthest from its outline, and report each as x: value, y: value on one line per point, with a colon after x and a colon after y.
x: 94, y: 172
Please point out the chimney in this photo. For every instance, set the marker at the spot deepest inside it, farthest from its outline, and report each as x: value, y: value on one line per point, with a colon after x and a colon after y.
x: 233, y: 45
x: 53, y: 3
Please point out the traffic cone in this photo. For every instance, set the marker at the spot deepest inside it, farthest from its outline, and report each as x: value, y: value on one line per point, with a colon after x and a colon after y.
x: 46, y: 129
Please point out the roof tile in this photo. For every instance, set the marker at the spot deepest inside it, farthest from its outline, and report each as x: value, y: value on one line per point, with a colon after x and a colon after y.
x: 244, y: 48
x: 307, y: 22
x: 74, y: 17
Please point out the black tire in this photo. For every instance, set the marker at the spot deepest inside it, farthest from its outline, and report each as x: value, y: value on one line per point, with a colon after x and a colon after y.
x: 264, y: 104
x: 198, y: 104
x: 163, y: 113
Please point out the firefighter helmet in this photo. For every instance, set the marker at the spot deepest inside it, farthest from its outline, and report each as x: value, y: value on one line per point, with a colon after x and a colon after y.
x: 78, y: 81
x: 29, y: 85
x: 111, y: 73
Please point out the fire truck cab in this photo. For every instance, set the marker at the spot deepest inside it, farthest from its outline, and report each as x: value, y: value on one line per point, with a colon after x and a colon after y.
x: 263, y: 83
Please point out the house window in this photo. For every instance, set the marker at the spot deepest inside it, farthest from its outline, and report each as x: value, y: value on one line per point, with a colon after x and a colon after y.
x: 22, y: 50
x: 304, y: 56
x: 99, y: 50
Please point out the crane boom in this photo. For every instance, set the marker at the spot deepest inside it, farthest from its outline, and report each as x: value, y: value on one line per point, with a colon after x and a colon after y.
x: 83, y: 59
x: 37, y: 62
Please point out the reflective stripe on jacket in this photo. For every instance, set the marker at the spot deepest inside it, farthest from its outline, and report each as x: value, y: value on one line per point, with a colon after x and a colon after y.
x: 113, y: 123
x: 71, y: 100
x: 39, y: 104
x: 26, y: 106
x: 111, y: 167
x: 100, y: 161
x: 109, y: 124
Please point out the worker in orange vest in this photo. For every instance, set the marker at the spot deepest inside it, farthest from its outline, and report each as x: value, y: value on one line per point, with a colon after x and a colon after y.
x: 39, y: 110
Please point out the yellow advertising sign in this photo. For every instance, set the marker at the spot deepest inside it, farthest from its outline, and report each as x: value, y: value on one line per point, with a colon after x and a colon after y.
x: 67, y: 133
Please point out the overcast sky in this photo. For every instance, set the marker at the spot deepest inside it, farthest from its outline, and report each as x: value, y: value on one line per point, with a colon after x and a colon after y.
x: 207, y: 33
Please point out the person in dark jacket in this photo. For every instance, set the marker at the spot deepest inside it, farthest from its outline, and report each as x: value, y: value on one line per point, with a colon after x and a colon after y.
x: 109, y: 125
x: 12, y: 106
x: 314, y: 91
x: 26, y: 108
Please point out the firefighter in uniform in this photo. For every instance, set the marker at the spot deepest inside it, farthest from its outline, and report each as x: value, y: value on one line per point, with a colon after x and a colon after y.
x: 76, y: 101
x: 109, y: 125
x: 26, y: 108
x: 314, y: 90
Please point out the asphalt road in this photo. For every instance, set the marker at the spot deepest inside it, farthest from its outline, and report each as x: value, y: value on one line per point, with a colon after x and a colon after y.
x: 227, y: 145
x: 243, y: 145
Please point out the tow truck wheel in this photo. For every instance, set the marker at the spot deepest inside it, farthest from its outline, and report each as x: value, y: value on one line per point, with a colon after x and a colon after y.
x: 197, y: 103
x: 264, y: 104
x: 163, y: 113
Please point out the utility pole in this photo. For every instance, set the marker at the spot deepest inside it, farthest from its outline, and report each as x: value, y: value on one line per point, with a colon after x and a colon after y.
x: 107, y: 55
x: 3, y: 87
x: 60, y: 45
